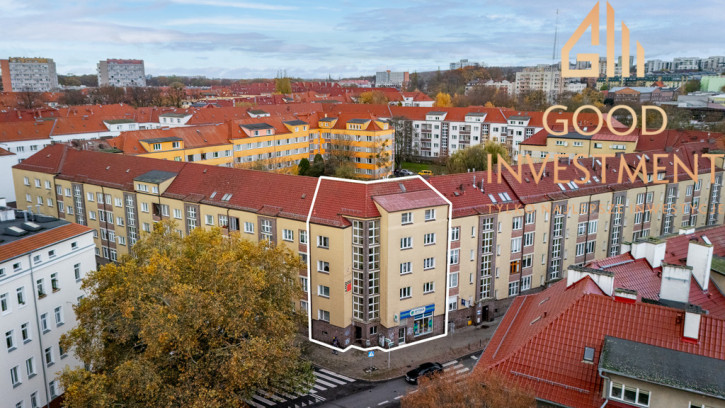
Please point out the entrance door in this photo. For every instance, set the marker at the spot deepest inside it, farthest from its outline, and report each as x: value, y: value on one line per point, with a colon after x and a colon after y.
x: 358, y: 332
x: 401, y: 335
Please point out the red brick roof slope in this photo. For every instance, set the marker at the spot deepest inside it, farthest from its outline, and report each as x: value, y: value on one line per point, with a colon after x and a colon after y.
x: 195, y: 136
x: 537, y: 139
x: 104, y: 169
x: 256, y: 191
x: 409, y: 201
x: 47, y: 160
x: 540, y: 342
x: 4, y: 152
x: 339, y: 199
x: 25, y: 130
x: 40, y: 240
x: 467, y: 198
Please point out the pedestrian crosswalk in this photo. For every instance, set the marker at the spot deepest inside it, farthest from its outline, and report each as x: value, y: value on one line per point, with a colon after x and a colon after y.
x: 284, y: 397
x: 454, y: 368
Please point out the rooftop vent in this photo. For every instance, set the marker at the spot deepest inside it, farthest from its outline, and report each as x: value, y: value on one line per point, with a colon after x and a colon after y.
x: 15, y: 231
x: 31, y: 226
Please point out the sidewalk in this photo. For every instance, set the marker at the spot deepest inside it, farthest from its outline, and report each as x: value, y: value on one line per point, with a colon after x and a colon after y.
x: 353, y: 363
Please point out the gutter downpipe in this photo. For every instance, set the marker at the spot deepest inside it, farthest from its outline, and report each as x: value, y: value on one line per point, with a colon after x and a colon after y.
x: 606, y: 399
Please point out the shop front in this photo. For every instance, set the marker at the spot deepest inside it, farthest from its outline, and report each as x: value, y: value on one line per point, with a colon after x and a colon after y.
x: 422, y: 320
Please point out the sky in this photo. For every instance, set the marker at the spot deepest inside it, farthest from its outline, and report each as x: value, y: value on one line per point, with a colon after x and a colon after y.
x: 317, y: 39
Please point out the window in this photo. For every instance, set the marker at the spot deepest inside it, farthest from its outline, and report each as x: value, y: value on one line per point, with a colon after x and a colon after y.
x: 288, y: 235
x: 303, y: 282
x: 429, y: 239
x: 517, y: 221
x: 406, y: 267
x: 406, y: 243
x: 21, y: 295
x: 41, y: 290
x: 92, y: 215
x: 248, y: 227
x: 323, y: 266
x: 209, y: 219
x: 405, y: 292
x: 453, y: 280
x: 4, y: 306
x: 145, y: 207
x: 588, y: 354
x: 177, y: 213
x: 49, y: 356
x: 303, y: 237
x: 323, y: 315
x: 513, y: 288
x: 430, y: 214
x: 406, y: 218
x: 429, y: 263
x: 455, y: 256
x: 629, y: 394
x: 529, y: 239
x: 455, y: 233
x: 30, y: 367
x: 15, y: 376
x: 580, y: 247
x: 429, y: 287
x: 591, y: 245
x: 53, y: 385
x: 526, y: 283
x: 527, y: 261
x: 44, y: 323
x: 581, y: 228
x: 323, y: 291
x: 54, y: 282
x: 323, y: 242
x: 59, y: 316
x: 25, y: 332
x: 10, y: 340
x: 593, y: 227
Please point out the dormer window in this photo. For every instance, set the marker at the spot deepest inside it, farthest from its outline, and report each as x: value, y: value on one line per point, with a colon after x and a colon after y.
x: 157, y: 146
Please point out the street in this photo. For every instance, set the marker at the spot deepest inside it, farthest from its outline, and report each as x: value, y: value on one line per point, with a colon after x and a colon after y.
x: 388, y: 393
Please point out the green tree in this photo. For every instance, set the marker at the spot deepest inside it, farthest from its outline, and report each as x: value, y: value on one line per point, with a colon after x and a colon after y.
x: 605, y: 87
x: 476, y: 157
x: 283, y: 85
x: 303, y: 167
x: 318, y: 166
x: 692, y: 85
x: 200, y: 321
x: 589, y: 96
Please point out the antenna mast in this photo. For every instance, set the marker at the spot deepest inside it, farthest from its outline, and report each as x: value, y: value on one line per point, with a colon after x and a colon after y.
x: 556, y: 37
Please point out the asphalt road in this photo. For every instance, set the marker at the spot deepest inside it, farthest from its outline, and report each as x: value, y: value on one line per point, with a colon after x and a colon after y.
x: 387, y: 394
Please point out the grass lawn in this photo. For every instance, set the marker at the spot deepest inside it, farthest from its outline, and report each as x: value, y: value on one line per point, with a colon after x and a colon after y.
x: 416, y: 167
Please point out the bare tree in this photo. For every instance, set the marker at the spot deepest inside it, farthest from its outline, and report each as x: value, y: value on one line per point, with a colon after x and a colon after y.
x: 29, y: 99
x: 403, y: 140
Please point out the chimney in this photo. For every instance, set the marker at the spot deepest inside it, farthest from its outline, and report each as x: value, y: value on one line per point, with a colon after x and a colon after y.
x: 699, y: 258
x: 625, y: 295
x: 603, y: 279
x: 675, y: 283
x: 691, y: 331
x: 652, y: 249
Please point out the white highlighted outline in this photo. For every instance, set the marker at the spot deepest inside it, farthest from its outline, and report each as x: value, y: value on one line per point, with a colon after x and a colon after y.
x: 309, y: 261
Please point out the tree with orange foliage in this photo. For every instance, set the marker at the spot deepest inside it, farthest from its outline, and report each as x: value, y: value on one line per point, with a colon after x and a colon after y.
x: 443, y: 100
x: 479, y: 389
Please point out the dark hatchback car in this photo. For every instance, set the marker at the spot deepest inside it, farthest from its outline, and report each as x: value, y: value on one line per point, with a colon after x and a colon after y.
x: 423, y: 370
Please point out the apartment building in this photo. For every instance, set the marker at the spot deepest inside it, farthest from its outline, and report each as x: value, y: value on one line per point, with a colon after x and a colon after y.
x: 385, y: 260
x: 28, y: 74
x: 542, y: 78
x: 42, y: 262
x: 571, y: 144
x: 686, y: 63
x: 388, y: 78
x: 121, y: 73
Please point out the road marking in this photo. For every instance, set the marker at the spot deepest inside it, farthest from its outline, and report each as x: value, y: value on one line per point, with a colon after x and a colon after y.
x: 264, y: 400
x: 325, y: 383
x: 450, y: 363
x: 383, y: 403
x: 254, y: 404
x: 462, y: 370
x: 398, y: 397
x: 317, y: 387
x: 328, y: 378
x: 337, y: 375
x: 474, y: 357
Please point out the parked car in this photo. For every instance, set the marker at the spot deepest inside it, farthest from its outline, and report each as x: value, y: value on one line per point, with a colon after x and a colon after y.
x: 424, y: 370
x: 425, y: 173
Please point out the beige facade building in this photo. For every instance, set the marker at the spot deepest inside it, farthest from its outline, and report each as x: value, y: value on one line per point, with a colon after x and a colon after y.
x: 385, y: 262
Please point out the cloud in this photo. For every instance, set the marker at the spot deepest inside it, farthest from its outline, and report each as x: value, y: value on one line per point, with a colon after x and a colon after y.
x: 234, y: 4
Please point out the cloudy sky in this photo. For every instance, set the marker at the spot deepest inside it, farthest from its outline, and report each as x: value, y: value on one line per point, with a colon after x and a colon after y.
x: 314, y: 39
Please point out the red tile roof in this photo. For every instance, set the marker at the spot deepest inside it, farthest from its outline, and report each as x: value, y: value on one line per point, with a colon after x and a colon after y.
x: 25, y: 130
x: 193, y: 137
x: 409, y: 201
x: 40, y: 240
x: 4, y: 152
x: 540, y: 342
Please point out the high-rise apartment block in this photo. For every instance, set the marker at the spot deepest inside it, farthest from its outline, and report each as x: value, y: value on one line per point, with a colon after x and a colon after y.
x: 121, y: 73
x: 28, y: 75
x: 388, y: 78
x: 542, y: 78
